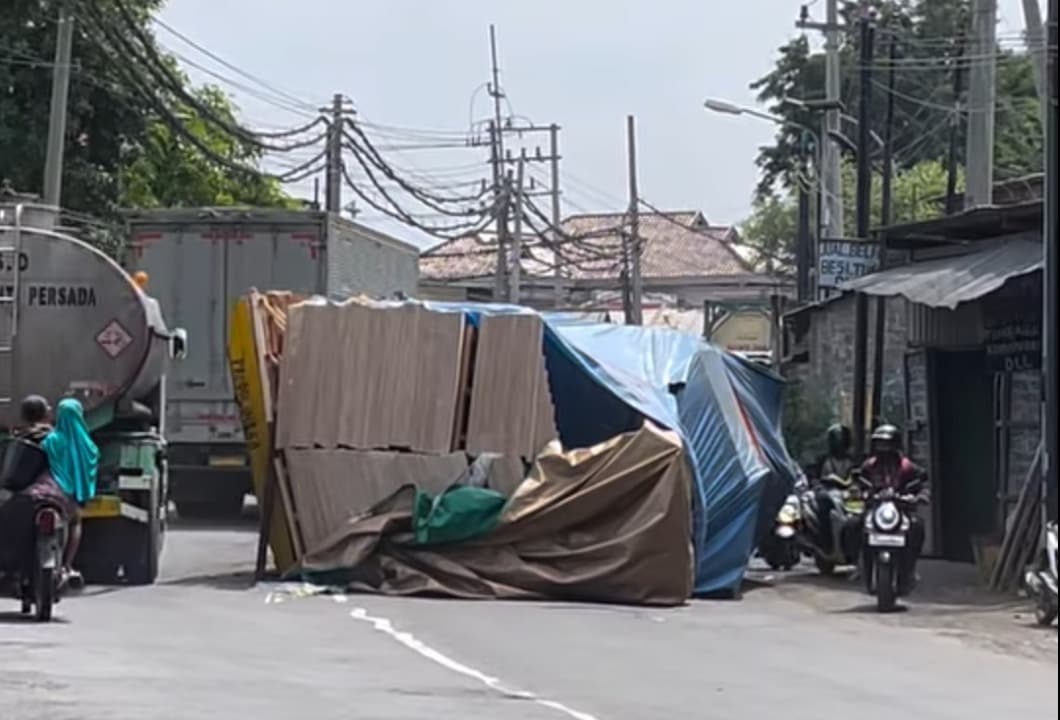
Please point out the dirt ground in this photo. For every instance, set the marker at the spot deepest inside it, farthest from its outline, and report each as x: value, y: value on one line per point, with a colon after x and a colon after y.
x: 949, y: 601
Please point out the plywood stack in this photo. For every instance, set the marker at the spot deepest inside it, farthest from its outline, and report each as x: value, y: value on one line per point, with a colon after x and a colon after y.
x: 372, y: 397
x: 511, y: 411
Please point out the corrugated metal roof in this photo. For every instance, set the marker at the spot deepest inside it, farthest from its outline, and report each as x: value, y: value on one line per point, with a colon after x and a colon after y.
x: 948, y: 282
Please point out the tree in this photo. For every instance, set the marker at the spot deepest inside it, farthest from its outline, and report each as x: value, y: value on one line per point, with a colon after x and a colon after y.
x: 162, y: 170
x: 770, y: 232
x: 930, y: 37
x: 119, y: 150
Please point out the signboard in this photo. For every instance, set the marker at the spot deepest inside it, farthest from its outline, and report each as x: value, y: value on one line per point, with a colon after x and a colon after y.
x: 743, y: 331
x: 1012, y: 320
x: 842, y: 260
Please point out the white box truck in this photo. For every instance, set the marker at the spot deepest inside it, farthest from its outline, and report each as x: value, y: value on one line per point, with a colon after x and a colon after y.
x: 199, y: 261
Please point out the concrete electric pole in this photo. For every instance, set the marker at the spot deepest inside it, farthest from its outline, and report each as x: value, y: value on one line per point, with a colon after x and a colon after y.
x: 517, y: 238
x: 634, y: 315
x: 553, y: 134
x: 830, y: 152
x: 53, y: 163
x: 1051, y: 423
x: 981, y: 104
x: 333, y: 171
x: 500, y: 185
x: 864, y: 217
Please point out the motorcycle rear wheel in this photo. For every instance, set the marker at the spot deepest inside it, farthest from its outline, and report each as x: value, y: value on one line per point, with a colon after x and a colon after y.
x: 1045, y: 611
x: 825, y: 567
x: 45, y: 592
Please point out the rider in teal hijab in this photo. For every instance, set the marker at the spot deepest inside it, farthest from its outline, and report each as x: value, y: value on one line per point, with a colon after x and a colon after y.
x: 73, y: 457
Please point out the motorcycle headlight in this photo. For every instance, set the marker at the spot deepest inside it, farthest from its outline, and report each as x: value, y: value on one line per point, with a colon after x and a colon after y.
x: 787, y: 515
x: 886, y: 517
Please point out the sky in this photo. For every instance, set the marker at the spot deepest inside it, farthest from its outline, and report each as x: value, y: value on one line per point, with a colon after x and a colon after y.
x: 583, y: 64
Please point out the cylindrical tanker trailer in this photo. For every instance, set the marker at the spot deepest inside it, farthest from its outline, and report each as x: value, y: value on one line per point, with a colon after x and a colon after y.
x: 74, y: 324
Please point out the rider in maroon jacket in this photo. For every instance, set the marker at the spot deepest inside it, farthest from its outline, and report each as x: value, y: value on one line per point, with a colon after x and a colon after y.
x: 888, y: 467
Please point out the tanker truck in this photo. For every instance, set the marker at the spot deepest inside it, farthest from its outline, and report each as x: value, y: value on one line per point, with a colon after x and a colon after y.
x: 73, y: 324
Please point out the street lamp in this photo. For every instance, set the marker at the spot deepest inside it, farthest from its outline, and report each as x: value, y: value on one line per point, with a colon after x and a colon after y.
x: 804, y: 252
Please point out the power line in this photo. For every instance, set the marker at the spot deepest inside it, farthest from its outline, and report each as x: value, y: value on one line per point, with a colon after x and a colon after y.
x: 295, y: 101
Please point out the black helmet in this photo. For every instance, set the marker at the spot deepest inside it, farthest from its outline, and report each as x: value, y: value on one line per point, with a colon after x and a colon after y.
x: 35, y: 409
x: 886, y: 438
x: 839, y: 439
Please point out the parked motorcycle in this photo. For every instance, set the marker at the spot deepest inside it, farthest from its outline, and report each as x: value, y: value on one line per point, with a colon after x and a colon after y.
x: 1041, y: 581
x: 887, y: 525
x: 781, y: 551
x: 842, y: 546
x: 31, y: 565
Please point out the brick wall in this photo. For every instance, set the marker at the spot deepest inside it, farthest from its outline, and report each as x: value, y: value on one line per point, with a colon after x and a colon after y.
x: 829, y: 373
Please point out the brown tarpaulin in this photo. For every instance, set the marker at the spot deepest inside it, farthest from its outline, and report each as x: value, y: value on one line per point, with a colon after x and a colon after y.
x: 606, y: 524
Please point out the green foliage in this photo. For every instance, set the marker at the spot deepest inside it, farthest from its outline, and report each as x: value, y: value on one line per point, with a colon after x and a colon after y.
x: 929, y: 34
x: 770, y: 232
x: 163, y: 170
x: 807, y: 414
x: 119, y: 152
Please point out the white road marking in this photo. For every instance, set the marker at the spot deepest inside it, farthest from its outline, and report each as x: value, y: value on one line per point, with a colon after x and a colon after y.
x: 412, y: 643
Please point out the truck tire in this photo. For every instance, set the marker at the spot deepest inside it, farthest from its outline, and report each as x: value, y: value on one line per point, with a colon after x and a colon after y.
x: 222, y: 506
x: 143, y: 568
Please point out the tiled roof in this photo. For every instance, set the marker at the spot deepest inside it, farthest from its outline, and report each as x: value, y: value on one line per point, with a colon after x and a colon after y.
x: 674, y: 244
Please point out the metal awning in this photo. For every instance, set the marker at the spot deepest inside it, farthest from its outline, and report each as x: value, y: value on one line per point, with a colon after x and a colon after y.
x: 948, y: 282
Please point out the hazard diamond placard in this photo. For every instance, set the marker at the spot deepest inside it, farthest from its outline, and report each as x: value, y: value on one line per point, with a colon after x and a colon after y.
x: 114, y: 339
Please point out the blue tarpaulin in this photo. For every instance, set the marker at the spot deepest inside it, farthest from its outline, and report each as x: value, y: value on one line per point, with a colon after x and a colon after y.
x: 605, y: 379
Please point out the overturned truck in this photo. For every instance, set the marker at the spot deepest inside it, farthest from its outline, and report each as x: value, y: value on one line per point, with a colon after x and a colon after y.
x: 619, y: 464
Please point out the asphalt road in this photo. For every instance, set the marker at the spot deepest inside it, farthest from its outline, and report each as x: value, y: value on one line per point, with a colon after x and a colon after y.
x: 203, y: 644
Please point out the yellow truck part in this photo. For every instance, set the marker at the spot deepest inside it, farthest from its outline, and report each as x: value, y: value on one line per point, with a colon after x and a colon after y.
x: 247, y: 377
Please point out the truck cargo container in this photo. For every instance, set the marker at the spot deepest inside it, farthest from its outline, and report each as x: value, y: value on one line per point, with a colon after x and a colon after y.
x: 200, y: 261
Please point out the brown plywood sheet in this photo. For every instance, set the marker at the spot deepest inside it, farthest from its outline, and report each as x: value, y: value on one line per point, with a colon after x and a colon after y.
x: 329, y: 487
x: 369, y: 377
x: 504, y: 394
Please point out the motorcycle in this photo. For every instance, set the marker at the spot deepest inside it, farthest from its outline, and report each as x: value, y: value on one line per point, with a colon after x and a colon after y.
x: 842, y: 548
x: 781, y: 551
x: 887, y: 524
x: 31, y: 570
x: 1041, y: 581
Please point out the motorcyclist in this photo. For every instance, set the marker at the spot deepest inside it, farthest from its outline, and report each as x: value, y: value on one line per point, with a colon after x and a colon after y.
x: 888, y: 467
x: 833, y: 469
x: 16, y: 514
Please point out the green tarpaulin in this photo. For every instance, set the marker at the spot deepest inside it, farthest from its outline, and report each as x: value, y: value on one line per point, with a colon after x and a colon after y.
x: 456, y: 515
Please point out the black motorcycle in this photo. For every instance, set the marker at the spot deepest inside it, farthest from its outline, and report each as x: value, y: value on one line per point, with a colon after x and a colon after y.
x: 888, y: 569
x: 34, y: 535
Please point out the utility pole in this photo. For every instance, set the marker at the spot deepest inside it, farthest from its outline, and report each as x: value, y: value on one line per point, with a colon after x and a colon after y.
x: 500, y: 190
x: 53, y: 163
x: 553, y: 135
x: 517, y: 253
x: 634, y: 316
x: 886, y: 212
x: 955, y: 129
x: 831, y: 155
x: 333, y: 179
x: 864, y: 209
x: 1050, y: 424
x: 802, y: 243
x: 982, y: 92
x: 1032, y: 20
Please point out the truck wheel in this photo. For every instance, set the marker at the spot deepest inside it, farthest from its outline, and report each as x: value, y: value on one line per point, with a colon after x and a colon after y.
x: 223, y: 507
x: 143, y: 568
